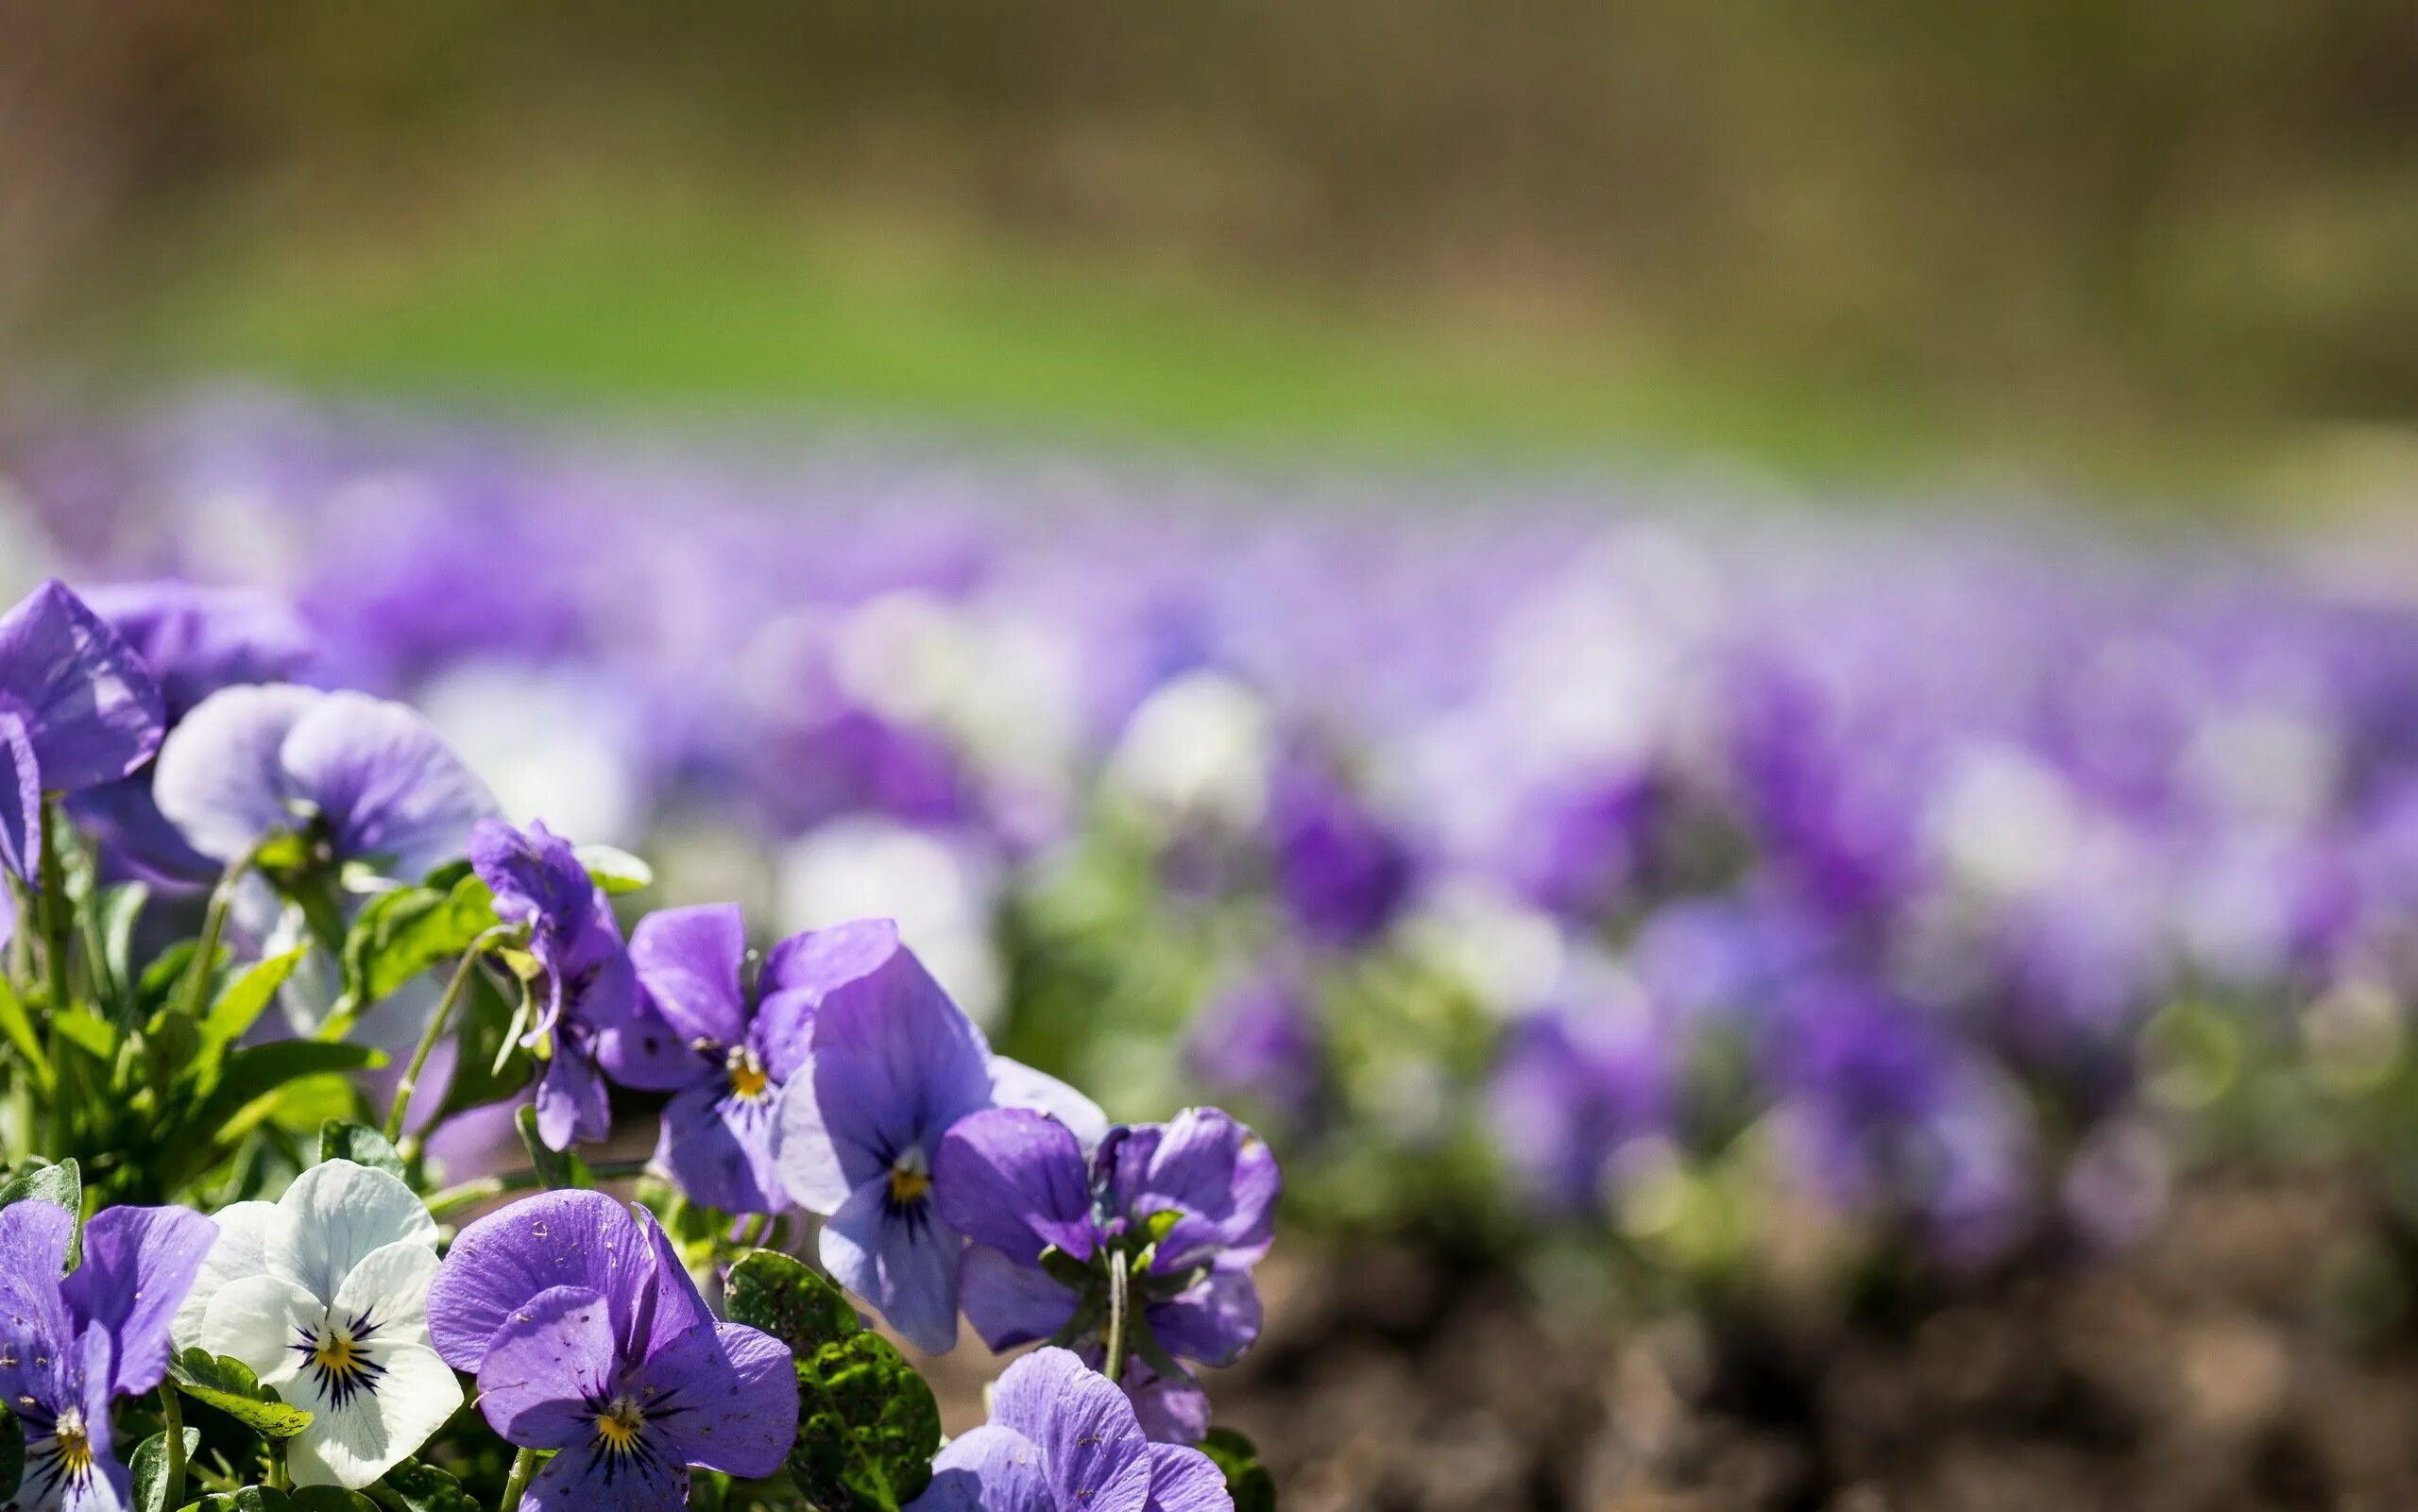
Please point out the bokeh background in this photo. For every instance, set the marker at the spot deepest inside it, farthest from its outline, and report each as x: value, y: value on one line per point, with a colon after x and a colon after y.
x: 1748, y: 673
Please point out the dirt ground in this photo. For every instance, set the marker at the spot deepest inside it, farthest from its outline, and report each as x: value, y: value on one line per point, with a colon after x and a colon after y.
x: 2207, y: 1370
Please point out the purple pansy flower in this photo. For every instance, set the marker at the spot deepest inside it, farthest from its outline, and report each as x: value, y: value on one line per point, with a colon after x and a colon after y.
x: 195, y: 640
x: 591, y: 991
x: 1062, y: 1438
x: 1573, y: 1088
x: 589, y: 1338
x: 78, y: 709
x: 71, y: 1343
x: 1341, y: 868
x: 1185, y: 1208
x: 363, y: 779
x: 892, y: 1064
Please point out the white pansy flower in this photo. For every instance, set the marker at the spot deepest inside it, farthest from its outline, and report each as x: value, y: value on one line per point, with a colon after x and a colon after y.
x: 324, y: 1294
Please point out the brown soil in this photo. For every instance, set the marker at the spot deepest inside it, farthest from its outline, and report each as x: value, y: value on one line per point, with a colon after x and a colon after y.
x: 2197, y: 1373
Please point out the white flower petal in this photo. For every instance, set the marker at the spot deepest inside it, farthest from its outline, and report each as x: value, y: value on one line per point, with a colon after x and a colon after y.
x: 336, y: 1214
x: 260, y: 1320
x: 352, y: 1444
x: 237, y: 1252
x: 390, y: 1287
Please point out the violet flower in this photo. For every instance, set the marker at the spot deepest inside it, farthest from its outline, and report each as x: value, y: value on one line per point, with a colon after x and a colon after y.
x: 892, y: 1064
x: 1572, y: 1090
x: 78, y: 709
x: 591, y: 991
x: 1062, y: 1438
x: 589, y: 1338
x: 1183, y: 1209
x: 1340, y: 870
x: 72, y: 1344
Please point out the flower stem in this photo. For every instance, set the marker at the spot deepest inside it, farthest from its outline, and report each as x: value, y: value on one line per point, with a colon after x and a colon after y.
x: 469, y: 1194
x: 277, y: 1477
x: 213, y: 928
x: 435, y: 1029
x: 55, y: 919
x: 1119, y: 1275
x: 171, y: 1421
x: 524, y: 1464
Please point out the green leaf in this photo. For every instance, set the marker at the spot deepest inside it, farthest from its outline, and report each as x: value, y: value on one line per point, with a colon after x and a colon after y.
x: 359, y: 1144
x: 1247, y: 1480
x: 488, y: 1067
x: 12, y: 1455
x: 425, y: 1488
x: 329, y: 1499
x: 406, y: 931
x: 19, y: 1030
x: 615, y: 870
x: 229, y: 1385
x: 240, y: 1005
x: 96, y: 1037
x: 164, y: 977
x: 119, y: 910
x: 171, y: 1044
x: 248, y: 1087
x: 868, y: 1425
x: 150, y: 1467
x: 60, y: 1185
x: 556, y: 1168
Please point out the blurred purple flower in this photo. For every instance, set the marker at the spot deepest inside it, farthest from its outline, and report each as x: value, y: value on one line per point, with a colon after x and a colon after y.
x: 1341, y: 868
x: 1571, y: 1092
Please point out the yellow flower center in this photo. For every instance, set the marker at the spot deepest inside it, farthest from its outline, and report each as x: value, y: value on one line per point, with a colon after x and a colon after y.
x: 748, y: 1077
x: 75, y: 1445
x: 335, y: 1355
x: 910, y: 1176
x: 618, y: 1424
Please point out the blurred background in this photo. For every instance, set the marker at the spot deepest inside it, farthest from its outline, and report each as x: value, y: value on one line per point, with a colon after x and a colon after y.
x: 1749, y: 674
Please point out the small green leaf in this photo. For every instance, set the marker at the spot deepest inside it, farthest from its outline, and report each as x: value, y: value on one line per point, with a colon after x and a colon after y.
x: 12, y: 1455
x: 150, y: 1468
x: 162, y: 980
x: 94, y: 1036
x: 19, y: 1030
x: 615, y: 870
x: 359, y: 1144
x: 329, y: 1499
x: 556, y: 1168
x: 229, y: 1385
x: 60, y: 1185
x: 119, y: 910
x: 239, y: 1006
x: 489, y: 1066
x: 403, y: 933
x: 246, y: 1091
x: 868, y: 1425
x: 1247, y: 1480
x: 423, y: 1488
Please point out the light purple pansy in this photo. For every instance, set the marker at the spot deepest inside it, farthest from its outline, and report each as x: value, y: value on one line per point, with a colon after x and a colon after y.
x: 69, y: 1344
x: 364, y: 779
x: 726, y: 1048
x: 892, y: 1064
x: 78, y: 709
x: 1199, y: 1193
x: 591, y: 990
x: 589, y: 1338
x: 1062, y: 1438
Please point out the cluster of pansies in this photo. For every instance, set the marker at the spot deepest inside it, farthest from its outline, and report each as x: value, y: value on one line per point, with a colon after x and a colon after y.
x: 1613, y: 853
x: 240, y: 1082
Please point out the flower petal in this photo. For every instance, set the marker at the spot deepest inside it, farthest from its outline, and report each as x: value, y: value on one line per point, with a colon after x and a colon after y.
x: 1014, y: 1084
x: 260, y: 1320
x: 390, y: 1288
x: 91, y: 707
x: 34, y: 1322
x: 989, y: 1470
x: 894, y: 1063
x: 646, y: 1052
x: 334, y: 1215
x: 1213, y: 1171
x: 1094, y: 1447
x: 668, y: 1303
x: 1009, y: 1304
x: 582, y: 1239
x: 386, y: 783
x: 719, y: 1147
x: 688, y: 959
x: 1016, y: 1180
x: 904, y: 1262
x: 240, y: 1250
x: 553, y: 1358
x: 1212, y: 1321
x: 1186, y: 1479
x: 353, y: 1441
x: 219, y: 778
x: 139, y: 1263
x: 20, y: 799
x: 572, y: 1102
x: 585, y: 1478
x: 815, y: 1170
x: 730, y: 1398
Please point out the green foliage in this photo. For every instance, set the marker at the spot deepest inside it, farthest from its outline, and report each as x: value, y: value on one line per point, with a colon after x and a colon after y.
x: 150, y: 1468
x: 228, y: 1385
x: 615, y: 870
x: 1247, y: 1480
x: 415, y: 1487
x: 61, y: 1185
x: 328, y: 1499
x: 12, y: 1454
x: 556, y: 1168
x: 489, y: 1064
x: 867, y: 1423
x: 359, y: 1144
x: 409, y: 930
